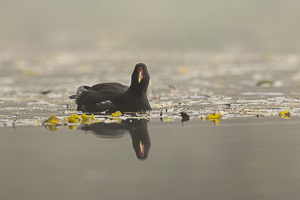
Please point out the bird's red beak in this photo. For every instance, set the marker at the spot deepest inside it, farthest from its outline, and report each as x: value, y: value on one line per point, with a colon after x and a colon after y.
x: 140, y: 74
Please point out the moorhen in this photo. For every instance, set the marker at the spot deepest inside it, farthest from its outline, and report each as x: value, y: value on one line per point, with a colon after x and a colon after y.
x: 111, y: 97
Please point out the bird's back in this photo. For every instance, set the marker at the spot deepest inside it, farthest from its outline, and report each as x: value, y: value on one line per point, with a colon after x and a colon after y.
x: 104, y: 96
x: 109, y: 88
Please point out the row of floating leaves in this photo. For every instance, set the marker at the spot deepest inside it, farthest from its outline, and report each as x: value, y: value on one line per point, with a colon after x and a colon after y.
x: 74, y: 120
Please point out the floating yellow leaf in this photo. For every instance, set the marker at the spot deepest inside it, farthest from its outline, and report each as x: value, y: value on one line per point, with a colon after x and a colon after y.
x: 53, y: 120
x: 116, y: 114
x: 213, y: 116
x: 285, y: 114
x: 72, y: 119
x: 87, y: 119
x: 84, y: 117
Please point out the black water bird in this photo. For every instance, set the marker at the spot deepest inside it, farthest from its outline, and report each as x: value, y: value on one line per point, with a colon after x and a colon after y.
x: 113, y: 96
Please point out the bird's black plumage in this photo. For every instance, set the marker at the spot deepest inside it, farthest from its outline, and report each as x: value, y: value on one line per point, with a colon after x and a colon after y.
x: 113, y: 97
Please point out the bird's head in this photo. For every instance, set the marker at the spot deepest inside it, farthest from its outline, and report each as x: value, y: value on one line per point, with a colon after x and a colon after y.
x: 140, y: 75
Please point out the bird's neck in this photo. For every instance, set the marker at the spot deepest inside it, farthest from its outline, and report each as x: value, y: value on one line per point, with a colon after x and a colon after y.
x: 138, y: 89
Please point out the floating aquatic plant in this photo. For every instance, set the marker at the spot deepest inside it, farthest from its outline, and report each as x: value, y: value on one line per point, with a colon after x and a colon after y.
x: 72, y: 119
x: 285, y: 114
x: 53, y: 120
x: 116, y: 114
x: 213, y: 116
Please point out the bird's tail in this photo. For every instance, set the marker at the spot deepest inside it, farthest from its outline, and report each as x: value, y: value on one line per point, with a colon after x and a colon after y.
x: 73, y: 97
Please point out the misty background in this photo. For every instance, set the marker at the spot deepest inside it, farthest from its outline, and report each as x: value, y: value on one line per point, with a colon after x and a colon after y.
x: 268, y: 25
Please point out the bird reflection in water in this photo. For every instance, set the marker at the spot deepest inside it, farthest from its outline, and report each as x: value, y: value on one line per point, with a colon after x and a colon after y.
x: 138, y: 129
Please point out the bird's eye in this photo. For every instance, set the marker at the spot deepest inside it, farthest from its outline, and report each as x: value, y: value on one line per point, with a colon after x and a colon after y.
x: 145, y: 69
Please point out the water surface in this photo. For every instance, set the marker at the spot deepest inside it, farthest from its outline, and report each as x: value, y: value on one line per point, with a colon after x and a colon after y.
x: 249, y: 153
x: 240, y: 158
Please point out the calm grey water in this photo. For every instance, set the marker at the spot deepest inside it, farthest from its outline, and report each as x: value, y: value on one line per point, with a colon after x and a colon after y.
x: 243, y: 158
